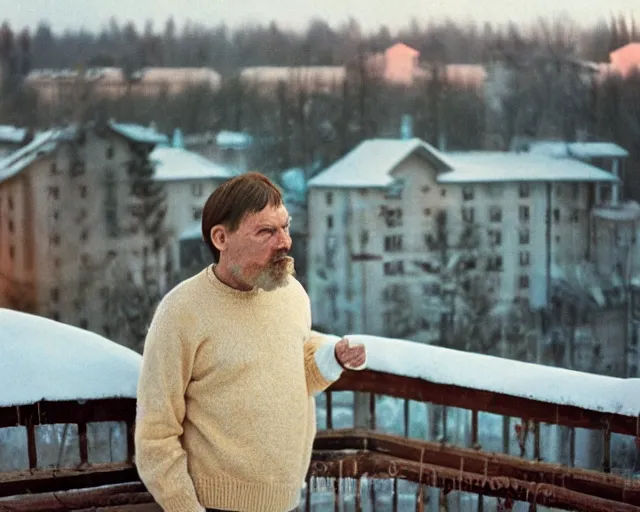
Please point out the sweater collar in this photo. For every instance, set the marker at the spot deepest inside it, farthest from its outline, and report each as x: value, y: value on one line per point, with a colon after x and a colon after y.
x: 228, y: 290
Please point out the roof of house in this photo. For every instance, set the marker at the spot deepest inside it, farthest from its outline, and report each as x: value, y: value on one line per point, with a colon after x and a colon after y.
x: 192, y: 232
x: 46, y: 142
x: 582, y: 150
x: 495, y: 166
x: 139, y: 133
x: 12, y: 134
x: 62, y: 362
x: 371, y: 163
x: 42, y: 144
x: 179, y: 164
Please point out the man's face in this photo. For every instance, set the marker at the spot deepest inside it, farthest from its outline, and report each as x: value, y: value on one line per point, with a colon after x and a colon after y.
x: 257, y: 252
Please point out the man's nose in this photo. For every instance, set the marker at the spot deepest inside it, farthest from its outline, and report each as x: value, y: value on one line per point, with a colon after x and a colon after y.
x: 284, y: 241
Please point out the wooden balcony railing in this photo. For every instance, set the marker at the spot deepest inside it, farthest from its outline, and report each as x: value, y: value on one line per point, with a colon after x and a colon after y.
x: 347, y: 462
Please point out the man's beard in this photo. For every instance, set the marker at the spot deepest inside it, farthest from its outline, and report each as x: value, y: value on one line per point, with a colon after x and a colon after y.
x: 273, y: 276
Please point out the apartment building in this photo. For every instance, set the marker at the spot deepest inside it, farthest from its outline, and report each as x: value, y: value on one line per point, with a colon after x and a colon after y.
x: 396, y: 229
x: 68, y: 222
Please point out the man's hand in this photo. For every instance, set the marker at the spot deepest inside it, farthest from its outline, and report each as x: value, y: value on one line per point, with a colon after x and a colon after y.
x: 351, y: 357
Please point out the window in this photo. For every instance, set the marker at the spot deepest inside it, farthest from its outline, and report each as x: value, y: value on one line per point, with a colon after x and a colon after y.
x: 77, y: 168
x: 54, y: 168
x: 392, y: 216
x: 110, y: 152
x: 443, y: 192
x: 523, y: 282
x: 54, y: 239
x: 83, y: 191
x: 556, y: 215
x: 495, y: 214
x: 524, y: 258
x: 12, y: 252
x: 494, y: 263
x: 575, y: 215
x: 196, y: 189
x: 54, y: 192
x: 196, y: 213
x: 495, y: 237
x: 523, y: 190
x: 111, y: 204
x: 393, y: 243
x: 427, y: 212
x: 523, y: 213
x: 393, y: 268
x: 329, y: 198
x: 55, y: 294
x: 467, y: 193
x: 84, y: 235
x: 10, y: 198
x: 329, y: 221
x: 426, y: 189
x: 467, y: 214
x: 84, y: 324
x: 84, y: 259
x: 11, y: 227
x: 524, y: 236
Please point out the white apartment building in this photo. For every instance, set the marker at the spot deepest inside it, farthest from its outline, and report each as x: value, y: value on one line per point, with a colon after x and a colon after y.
x: 391, y: 225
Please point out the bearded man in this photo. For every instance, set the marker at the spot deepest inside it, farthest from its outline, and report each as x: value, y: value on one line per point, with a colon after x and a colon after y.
x: 230, y: 367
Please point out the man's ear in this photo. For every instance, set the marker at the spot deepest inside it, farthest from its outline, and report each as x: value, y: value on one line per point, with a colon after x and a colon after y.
x: 219, y: 237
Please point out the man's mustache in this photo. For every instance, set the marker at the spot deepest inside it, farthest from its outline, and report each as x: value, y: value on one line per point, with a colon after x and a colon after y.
x: 281, y: 256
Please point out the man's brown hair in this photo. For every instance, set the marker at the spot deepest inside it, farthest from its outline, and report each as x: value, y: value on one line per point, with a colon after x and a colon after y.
x: 233, y: 200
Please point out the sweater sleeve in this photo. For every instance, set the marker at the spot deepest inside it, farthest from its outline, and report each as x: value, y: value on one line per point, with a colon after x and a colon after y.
x: 320, y: 366
x: 161, y: 461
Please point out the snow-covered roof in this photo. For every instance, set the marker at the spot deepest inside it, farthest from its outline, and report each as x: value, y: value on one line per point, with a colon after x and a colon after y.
x: 42, y: 144
x: 139, y: 133
x: 489, y: 373
x: 627, y: 211
x: 12, y: 134
x: 582, y: 150
x: 372, y: 162
x: 233, y: 140
x: 177, y: 164
x: 47, y: 360
x: 490, y: 166
x: 192, y: 232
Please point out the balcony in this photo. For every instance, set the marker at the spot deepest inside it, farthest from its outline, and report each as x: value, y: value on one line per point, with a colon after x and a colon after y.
x: 465, y: 431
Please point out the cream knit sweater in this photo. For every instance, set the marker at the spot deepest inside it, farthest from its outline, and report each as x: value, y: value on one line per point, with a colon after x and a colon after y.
x: 226, y: 409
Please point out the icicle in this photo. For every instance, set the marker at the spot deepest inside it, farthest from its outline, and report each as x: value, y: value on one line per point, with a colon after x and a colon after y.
x: 321, y: 484
x: 348, y: 487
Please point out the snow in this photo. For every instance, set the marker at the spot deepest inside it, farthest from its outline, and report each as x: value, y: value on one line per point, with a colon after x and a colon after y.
x: 372, y: 162
x: 582, y: 150
x: 233, y: 140
x: 478, y: 371
x: 490, y: 166
x: 12, y: 134
x: 42, y: 143
x: 629, y: 211
x: 295, y: 186
x: 47, y: 360
x: 173, y: 164
x: 140, y: 133
x: 192, y: 232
